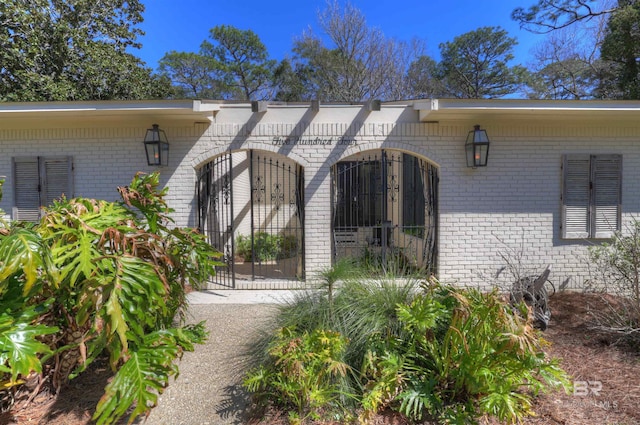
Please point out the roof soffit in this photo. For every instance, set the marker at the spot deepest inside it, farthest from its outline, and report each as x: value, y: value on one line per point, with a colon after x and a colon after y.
x: 525, y: 110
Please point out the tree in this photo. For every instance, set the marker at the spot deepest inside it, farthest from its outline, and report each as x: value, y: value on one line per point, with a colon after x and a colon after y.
x: 621, y: 51
x: 567, y: 65
x: 615, y: 73
x: 474, y: 65
x: 425, y: 79
x: 550, y: 15
x: 73, y: 50
x: 360, y: 64
x: 292, y: 82
x: 234, y: 65
x: 191, y: 74
x: 242, y: 61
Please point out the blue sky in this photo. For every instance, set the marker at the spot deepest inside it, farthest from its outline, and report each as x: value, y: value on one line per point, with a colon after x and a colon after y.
x: 182, y: 25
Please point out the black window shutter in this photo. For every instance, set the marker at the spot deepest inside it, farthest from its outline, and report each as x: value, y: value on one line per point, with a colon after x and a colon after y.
x: 26, y: 189
x: 575, y: 196
x: 38, y: 182
x: 591, y: 195
x: 606, y: 195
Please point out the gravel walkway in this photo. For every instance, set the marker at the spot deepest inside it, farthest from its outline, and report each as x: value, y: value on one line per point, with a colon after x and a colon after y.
x: 208, y: 390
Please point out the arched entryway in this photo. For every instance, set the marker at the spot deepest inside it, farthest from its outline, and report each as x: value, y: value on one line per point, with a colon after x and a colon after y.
x: 385, y: 211
x: 251, y: 207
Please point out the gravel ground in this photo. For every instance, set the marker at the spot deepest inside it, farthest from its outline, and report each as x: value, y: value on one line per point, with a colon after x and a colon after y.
x: 205, y: 393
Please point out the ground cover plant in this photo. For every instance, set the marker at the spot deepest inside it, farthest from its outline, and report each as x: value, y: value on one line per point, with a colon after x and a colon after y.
x: 421, y: 348
x: 585, y: 355
x: 93, y: 279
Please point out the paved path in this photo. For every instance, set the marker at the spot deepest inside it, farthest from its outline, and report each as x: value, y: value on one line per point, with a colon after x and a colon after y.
x: 243, y: 296
x: 208, y: 391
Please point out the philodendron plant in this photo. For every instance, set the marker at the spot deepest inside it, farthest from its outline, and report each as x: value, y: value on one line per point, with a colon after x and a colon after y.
x: 96, y: 278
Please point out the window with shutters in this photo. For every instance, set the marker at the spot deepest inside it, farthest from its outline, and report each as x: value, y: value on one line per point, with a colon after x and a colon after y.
x: 37, y: 182
x: 591, y: 195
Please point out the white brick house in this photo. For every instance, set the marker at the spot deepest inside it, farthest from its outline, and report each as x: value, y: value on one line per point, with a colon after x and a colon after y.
x: 560, y: 176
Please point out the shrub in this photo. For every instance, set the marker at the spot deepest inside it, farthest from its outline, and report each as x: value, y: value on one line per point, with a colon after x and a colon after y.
x: 462, y: 354
x: 303, y: 371
x: 94, y: 278
x: 615, y: 268
x: 441, y: 353
x: 266, y: 246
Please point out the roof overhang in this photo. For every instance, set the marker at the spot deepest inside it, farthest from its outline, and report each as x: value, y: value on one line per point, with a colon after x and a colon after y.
x: 189, y: 112
x: 522, y: 110
x: 108, y: 112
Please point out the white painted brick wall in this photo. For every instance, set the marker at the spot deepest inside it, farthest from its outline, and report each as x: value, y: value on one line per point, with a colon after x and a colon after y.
x: 511, y: 206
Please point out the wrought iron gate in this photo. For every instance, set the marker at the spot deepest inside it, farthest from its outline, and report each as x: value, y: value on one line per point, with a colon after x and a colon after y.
x: 385, y: 212
x: 250, y: 206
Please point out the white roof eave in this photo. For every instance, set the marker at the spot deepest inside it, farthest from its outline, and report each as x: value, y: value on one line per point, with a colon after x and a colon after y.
x: 474, y: 109
x: 179, y: 110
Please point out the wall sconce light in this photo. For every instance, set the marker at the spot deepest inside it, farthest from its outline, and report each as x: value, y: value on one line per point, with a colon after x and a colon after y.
x: 477, y: 147
x: 156, y: 146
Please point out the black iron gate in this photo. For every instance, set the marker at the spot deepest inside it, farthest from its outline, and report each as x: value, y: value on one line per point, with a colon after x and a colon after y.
x: 215, y: 212
x: 250, y: 207
x: 385, y: 212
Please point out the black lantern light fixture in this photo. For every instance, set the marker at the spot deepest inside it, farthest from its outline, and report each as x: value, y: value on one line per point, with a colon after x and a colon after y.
x: 477, y: 147
x: 156, y: 146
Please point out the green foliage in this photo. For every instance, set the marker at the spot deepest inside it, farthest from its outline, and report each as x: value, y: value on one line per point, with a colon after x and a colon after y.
x: 475, y: 65
x: 394, y: 263
x: 358, y: 309
x: 462, y: 354
x: 234, y: 66
x: 73, y: 50
x: 107, y: 278
x: 424, y: 79
x: 243, y: 61
x: 620, y: 51
x: 443, y: 353
x: 21, y: 350
x: 573, y: 78
x: 303, y: 370
x: 191, y: 74
x: 266, y: 246
x: 146, y: 373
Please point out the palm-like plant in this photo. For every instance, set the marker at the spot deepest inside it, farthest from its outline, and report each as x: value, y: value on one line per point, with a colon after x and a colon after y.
x: 104, y: 277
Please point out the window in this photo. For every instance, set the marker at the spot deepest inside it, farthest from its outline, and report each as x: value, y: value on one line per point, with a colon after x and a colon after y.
x: 413, y: 196
x: 37, y: 182
x: 591, y: 195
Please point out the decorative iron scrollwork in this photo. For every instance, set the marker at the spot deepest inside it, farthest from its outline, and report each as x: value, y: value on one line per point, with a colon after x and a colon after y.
x: 393, y: 187
x: 226, y: 189
x: 258, y: 189
x: 277, y: 197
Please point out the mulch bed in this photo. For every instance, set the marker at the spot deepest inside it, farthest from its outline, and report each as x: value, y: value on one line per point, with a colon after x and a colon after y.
x: 607, y: 378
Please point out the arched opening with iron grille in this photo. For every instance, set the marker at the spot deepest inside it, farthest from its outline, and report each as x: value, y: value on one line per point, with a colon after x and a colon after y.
x: 251, y: 208
x: 385, y: 211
